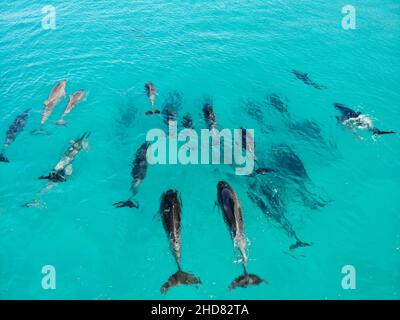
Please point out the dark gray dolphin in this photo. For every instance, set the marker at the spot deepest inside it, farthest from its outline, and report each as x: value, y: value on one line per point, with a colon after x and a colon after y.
x: 16, y: 127
x: 187, y: 121
x: 170, y: 211
x: 138, y: 173
x: 346, y: 113
x: 209, y: 114
x: 232, y: 214
x: 307, y: 128
x: 351, y: 117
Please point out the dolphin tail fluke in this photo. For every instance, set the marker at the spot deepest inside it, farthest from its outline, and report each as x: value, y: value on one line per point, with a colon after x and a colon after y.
x: 378, y: 132
x: 246, y: 280
x: 61, y: 122
x: 128, y: 203
x: 178, y: 278
x: 3, y: 158
x: 299, y: 244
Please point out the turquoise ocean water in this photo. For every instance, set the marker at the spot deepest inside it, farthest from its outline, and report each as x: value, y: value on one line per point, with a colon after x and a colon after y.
x: 237, y: 52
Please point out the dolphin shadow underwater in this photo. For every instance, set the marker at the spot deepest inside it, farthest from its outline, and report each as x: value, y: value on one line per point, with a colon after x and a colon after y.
x: 291, y: 169
x: 266, y: 195
x: 306, y: 129
x: 171, y: 106
x: 255, y: 111
x: 302, y: 76
x: 278, y: 103
x: 124, y: 119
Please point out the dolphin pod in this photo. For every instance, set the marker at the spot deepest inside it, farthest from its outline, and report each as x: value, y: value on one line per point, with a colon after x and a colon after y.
x: 288, y: 167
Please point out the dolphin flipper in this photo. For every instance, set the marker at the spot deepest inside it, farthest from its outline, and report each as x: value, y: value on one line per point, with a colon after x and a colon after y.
x: 128, y: 203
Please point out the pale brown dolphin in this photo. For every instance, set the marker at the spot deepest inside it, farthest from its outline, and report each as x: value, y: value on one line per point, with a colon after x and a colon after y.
x: 151, y: 93
x: 74, y: 99
x: 54, y: 98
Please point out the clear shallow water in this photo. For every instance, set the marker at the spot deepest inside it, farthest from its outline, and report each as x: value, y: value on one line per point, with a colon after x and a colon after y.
x: 235, y: 52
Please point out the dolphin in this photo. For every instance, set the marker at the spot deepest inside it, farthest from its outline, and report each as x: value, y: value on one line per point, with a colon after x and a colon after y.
x: 356, y: 120
x: 170, y: 211
x: 232, y: 214
x: 306, y: 79
x: 187, y: 121
x: 138, y: 173
x: 74, y: 99
x: 16, y: 127
x: 63, y: 168
x: 54, y: 98
x: 151, y: 93
x: 209, y: 114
